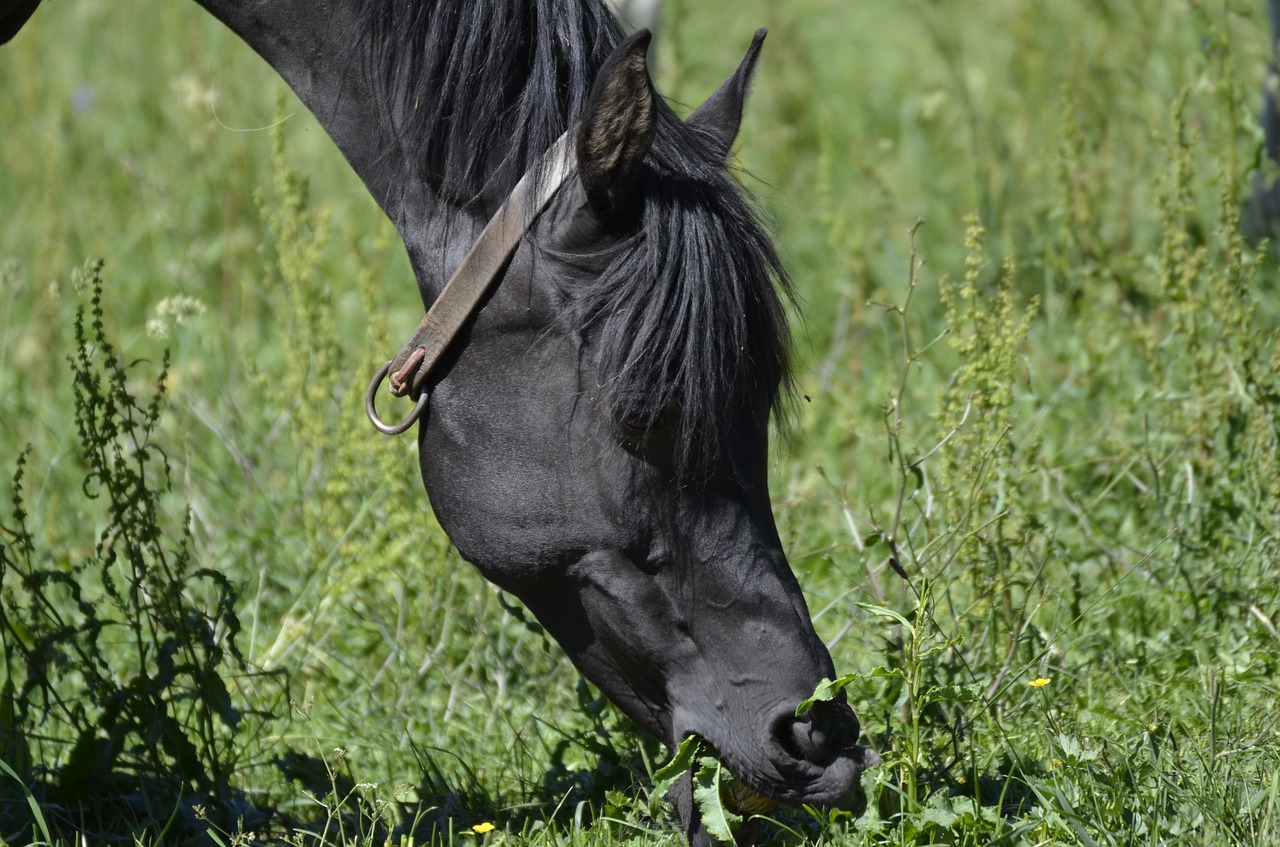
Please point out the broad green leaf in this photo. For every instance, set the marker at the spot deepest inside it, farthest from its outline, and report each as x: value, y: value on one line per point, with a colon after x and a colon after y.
x: 681, y: 763
x: 951, y: 694
x: 917, y: 473
x: 826, y: 690
x: 718, y: 820
x: 936, y: 815
x: 218, y: 698
x: 884, y: 612
x: 829, y: 688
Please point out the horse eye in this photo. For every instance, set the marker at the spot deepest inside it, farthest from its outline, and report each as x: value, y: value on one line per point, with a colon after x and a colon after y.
x: 642, y: 424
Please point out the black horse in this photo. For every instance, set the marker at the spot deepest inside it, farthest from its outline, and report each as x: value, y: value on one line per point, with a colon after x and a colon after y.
x: 1262, y: 210
x: 597, y: 430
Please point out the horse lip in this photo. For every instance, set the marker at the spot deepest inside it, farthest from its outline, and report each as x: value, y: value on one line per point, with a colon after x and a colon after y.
x: 833, y: 783
x: 774, y: 772
x: 830, y: 777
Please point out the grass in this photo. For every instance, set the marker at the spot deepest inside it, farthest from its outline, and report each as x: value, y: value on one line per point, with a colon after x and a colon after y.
x: 1053, y: 406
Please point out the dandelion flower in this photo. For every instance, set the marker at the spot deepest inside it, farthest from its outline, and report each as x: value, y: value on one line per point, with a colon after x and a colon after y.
x: 482, y: 828
x: 1040, y: 681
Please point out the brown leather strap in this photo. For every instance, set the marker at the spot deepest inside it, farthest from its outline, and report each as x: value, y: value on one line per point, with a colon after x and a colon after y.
x: 478, y: 271
x: 471, y: 281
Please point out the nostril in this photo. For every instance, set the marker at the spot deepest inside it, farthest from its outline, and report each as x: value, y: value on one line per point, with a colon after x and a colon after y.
x: 809, y: 740
x: 844, y: 728
x: 818, y: 736
x: 801, y: 739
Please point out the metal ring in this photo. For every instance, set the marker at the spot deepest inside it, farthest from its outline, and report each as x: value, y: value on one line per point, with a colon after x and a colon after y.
x: 370, y: 409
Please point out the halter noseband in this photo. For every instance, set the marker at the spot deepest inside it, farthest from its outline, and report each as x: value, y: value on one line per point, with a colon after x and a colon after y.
x: 469, y: 284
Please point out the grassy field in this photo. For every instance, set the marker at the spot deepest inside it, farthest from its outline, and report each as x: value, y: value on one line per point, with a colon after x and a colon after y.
x: 1054, y: 406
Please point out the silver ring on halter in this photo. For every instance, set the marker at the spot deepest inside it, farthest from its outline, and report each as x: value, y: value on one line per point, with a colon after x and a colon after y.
x: 372, y: 410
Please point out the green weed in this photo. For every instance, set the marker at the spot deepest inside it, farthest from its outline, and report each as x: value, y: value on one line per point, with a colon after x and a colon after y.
x: 118, y: 665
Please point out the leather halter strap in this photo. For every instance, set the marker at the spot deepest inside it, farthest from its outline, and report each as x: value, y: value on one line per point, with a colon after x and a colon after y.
x: 462, y: 294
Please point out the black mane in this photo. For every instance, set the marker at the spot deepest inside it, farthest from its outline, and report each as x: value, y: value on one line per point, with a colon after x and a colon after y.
x: 688, y: 316
x: 480, y: 88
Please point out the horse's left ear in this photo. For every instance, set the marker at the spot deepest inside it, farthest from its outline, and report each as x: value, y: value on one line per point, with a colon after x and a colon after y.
x: 720, y: 117
x: 618, y: 127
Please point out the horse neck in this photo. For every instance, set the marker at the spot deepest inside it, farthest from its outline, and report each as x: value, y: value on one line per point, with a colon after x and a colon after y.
x: 320, y: 51
x: 317, y: 50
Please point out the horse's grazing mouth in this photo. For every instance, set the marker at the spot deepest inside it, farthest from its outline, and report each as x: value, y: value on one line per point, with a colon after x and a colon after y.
x: 807, y: 765
x: 814, y: 762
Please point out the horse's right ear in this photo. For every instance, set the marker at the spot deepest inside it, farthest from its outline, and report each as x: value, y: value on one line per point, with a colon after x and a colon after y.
x: 618, y: 127
x: 720, y: 117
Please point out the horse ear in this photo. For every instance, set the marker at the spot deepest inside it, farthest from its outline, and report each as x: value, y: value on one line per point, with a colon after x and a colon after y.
x: 720, y: 117
x: 618, y: 127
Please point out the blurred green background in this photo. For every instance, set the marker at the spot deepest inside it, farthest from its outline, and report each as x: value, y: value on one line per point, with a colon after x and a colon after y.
x: 1055, y: 408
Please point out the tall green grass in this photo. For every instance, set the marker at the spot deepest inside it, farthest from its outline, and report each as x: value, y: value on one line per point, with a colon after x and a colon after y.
x: 1037, y: 437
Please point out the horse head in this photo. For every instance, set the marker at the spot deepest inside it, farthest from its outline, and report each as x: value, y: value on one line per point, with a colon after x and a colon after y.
x: 597, y: 445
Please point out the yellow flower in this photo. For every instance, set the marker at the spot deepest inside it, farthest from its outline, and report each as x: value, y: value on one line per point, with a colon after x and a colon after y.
x: 1040, y: 681
x: 482, y: 828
